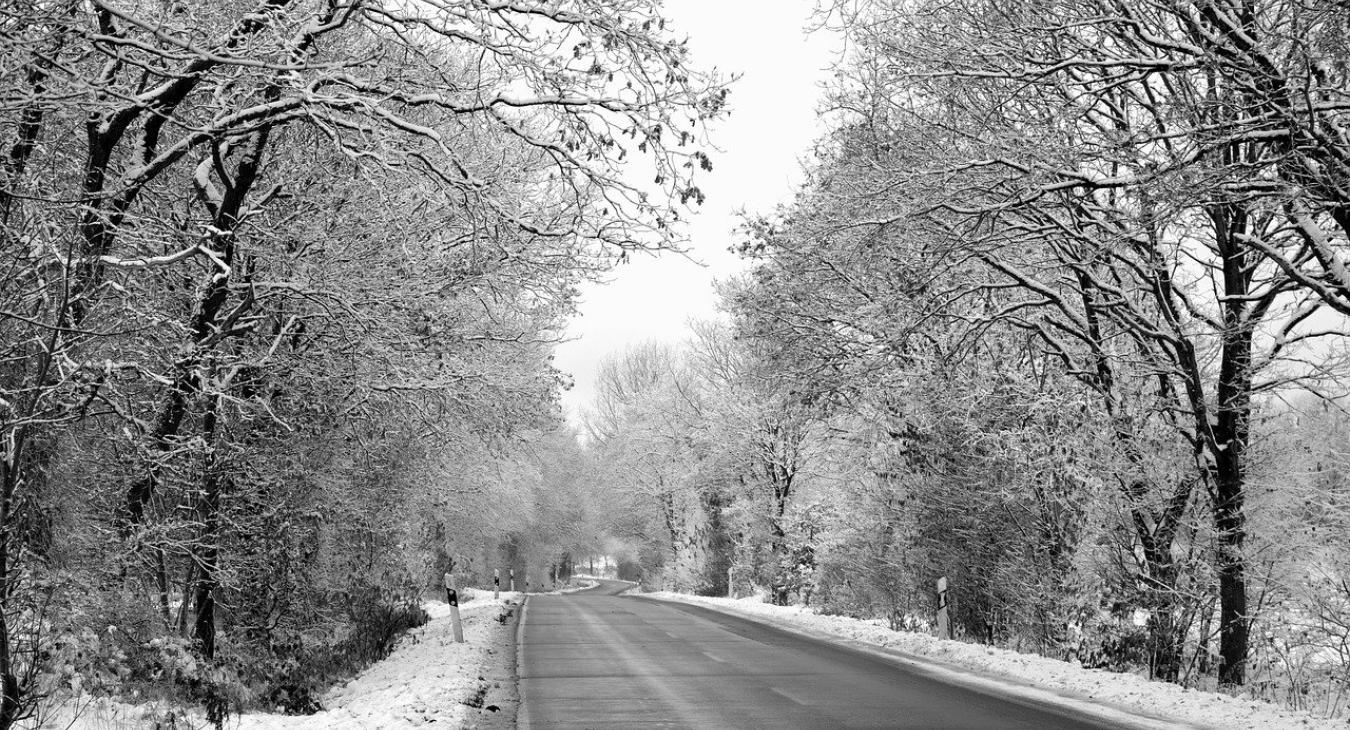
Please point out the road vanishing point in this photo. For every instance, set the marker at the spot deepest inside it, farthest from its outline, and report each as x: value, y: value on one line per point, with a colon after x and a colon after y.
x: 595, y: 659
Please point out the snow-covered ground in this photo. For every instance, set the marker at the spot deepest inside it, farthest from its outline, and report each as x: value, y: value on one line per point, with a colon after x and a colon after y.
x: 1034, y: 677
x: 427, y: 679
x: 580, y: 585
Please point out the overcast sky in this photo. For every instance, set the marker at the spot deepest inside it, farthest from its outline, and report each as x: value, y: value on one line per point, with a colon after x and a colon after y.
x: 772, y: 125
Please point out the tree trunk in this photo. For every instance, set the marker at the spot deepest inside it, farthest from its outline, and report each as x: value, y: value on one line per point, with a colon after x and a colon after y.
x: 1228, y: 445
x: 162, y: 584
x: 204, y: 628
x: 1164, y: 635
x: 10, y: 702
x: 1230, y: 521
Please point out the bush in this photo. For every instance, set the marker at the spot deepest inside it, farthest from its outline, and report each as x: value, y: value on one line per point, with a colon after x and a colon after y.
x: 296, y: 671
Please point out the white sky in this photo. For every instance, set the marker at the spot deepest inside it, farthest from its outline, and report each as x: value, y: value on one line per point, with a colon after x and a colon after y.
x: 772, y: 125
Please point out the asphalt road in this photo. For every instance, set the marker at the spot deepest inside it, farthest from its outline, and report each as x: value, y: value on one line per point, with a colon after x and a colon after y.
x: 596, y: 660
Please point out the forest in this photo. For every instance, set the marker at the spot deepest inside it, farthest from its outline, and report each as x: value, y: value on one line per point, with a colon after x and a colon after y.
x: 280, y: 284
x: 1059, y: 314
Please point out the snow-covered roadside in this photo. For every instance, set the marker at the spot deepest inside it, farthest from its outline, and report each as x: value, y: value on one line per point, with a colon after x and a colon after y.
x: 1035, y: 677
x: 427, y: 679
x: 595, y: 580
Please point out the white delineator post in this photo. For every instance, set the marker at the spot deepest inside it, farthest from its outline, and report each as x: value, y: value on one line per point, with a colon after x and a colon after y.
x: 944, y: 621
x: 513, y: 579
x: 452, y: 598
x: 496, y: 583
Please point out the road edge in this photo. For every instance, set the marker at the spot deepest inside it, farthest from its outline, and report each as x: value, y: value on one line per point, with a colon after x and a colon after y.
x: 514, y: 675
x: 522, y: 709
x: 985, y: 683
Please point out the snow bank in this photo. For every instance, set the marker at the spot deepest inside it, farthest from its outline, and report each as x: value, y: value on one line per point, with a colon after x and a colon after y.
x: 427, y: 679
x: 1037, y: 677
x: 476, y: 599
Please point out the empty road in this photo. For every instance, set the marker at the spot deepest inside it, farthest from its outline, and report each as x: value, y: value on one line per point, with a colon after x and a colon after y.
x: 597, y: 660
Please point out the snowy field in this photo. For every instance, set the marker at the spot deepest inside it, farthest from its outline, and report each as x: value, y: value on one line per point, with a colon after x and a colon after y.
x: 1034, y: 677
x: 427, y: 679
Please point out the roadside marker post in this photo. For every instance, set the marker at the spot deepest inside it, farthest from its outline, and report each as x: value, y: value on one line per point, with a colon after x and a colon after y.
x: 944, y: 620
x: 452, y: 598
x: 513, y: 579
x: 496, y: 583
